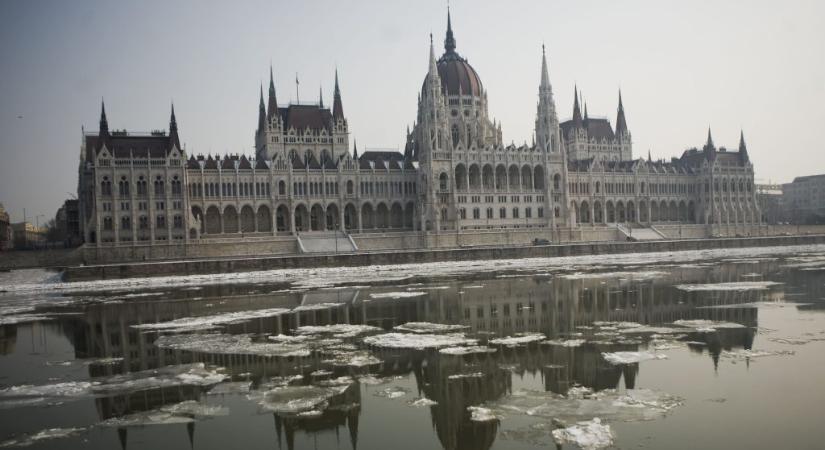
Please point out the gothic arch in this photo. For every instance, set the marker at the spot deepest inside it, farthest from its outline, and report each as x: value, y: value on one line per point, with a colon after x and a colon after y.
x: 230, y: 219
x: 247, y: 219
x: 538, y: 178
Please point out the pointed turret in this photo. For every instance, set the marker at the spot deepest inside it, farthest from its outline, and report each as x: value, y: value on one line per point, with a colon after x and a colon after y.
x: 337, y: 107
x: 320, y: 97
x: 545, y: 73
x: 261, y: 112
x: 449, y: 41
x: 621, y: 123
x: 174, y: 140
x: 586, y: 117
x: 577, y: 114
x: 743, y: 149
x: 709, y: 148
x: 355, y: 149
x: 272, y: 107
x: 649, y: 159
x: 104, y: 124
x: 433, y: 67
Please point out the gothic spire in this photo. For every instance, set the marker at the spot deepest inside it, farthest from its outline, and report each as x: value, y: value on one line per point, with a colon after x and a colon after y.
x: 273, y: 101
x: 173, y: 129
x: 709, y: 143
x: 321, y: 97
x: 545, y: 75
x: 621, y: 123
x: 433, y: 69
x: 577, y: 114
x: 355, y: 149
x: 261, y: 112
x: 743, y: 150
x: 449, y: 41
x: 649, y: 159
x: 104, y: 124
x: 337, y: 107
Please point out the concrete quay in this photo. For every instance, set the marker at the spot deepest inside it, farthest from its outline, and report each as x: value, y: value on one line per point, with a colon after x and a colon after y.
x: 417, y: 256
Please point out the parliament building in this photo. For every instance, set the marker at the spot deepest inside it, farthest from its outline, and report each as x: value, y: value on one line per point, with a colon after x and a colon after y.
x: 456, y: 183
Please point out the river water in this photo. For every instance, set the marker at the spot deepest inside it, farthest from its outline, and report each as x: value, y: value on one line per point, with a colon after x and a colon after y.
x: 703, y: 349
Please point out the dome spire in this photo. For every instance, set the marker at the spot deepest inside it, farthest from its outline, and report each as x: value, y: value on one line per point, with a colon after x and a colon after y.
x: 449, y: 41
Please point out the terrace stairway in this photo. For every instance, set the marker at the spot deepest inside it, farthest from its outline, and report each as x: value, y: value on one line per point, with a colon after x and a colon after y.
x: 326, y: 242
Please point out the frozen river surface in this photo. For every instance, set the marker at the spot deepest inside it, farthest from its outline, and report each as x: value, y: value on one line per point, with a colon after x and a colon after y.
x: 702, y: 349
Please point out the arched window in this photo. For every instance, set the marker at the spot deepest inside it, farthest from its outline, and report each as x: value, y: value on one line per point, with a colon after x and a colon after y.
x: 158, y: 186
x: 106, y: 187
x: 556, y: 181
x: 443, y: 182
x: 349, y: 187
x: 455, y: 135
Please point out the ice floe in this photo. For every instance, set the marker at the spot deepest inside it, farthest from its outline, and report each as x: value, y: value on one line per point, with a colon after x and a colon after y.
x: 28, y: 439
x: 209, y: 322
x: 195, y: 374
x: 587, y: 435
x: 480, y: 414
x: 459, y: 376
x: 183, y: 412
x: 418, y: 341
x: 341, y: 330
x: 391, y: 392
x: 421, y: 402
x: 397, y: 295
x: 609, y: 404
x: 227, y: 344
x: 467, y: 350
x: 640, y: 275
x: 617, y: 358
x: 732, y: 286
x: 565, y: 342
x: 706, y: 325
x: 743, y: 354
x: 518, y: 339
x: 293, y: 400
x: 428, y: 327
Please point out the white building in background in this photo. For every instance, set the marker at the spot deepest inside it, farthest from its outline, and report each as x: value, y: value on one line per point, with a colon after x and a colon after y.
x: 454, y: 176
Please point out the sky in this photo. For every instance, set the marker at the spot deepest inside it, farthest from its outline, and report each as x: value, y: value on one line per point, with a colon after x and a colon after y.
x: 682, y: 66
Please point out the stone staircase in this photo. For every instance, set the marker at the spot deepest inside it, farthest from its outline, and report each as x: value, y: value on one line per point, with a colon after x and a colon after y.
x: 640, y: 233
x: 326, y: 242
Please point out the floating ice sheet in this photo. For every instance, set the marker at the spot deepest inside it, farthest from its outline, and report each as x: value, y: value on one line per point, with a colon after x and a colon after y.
x: 610, y: 404
x: 480, y: 414
x: 25, y: 440
x: 341, y: 330
x: 704, y: 325
x: 617, y: 358
x: 428, y: 327
x: 587, y: 435
x: 209, y: 322
x: 418, y: 341
x: 518, y: 339
x: 183, y: 412
x: 565, y: 342
x: 292, y: 400
x: 397, y: 295
x: 391, y: 392
x: 743, y: 354
x: 229, y: 344
x: 639, y: 275
x: 421, y: 402
x: 467, y: 350
x: 182, y: 375
x: 733, y: 286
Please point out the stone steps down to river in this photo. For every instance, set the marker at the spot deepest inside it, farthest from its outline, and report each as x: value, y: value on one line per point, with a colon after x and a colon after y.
x: 640, y: 234
x: 335, y: 242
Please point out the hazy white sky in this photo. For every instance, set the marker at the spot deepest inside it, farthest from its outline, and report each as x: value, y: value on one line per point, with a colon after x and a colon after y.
x: 682, y: 66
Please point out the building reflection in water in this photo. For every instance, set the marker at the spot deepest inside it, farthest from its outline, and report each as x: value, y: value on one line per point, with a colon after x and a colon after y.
x: 555, y: 306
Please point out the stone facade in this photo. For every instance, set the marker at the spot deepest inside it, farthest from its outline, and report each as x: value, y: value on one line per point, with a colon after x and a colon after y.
x: 804, y: 199
x: 455, y: 176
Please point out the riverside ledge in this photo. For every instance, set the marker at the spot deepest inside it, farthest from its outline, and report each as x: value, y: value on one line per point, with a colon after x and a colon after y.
x: 416, y: 256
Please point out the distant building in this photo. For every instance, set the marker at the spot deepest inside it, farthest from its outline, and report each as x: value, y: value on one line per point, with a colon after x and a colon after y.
x: 771, y: 202
x: 28, y: 235
x: 5, y: 230
x: 804, y: 199
x: 67, y: 223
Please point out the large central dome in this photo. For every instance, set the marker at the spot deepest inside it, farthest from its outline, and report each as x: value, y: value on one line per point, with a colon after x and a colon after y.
x: 457, y: 75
